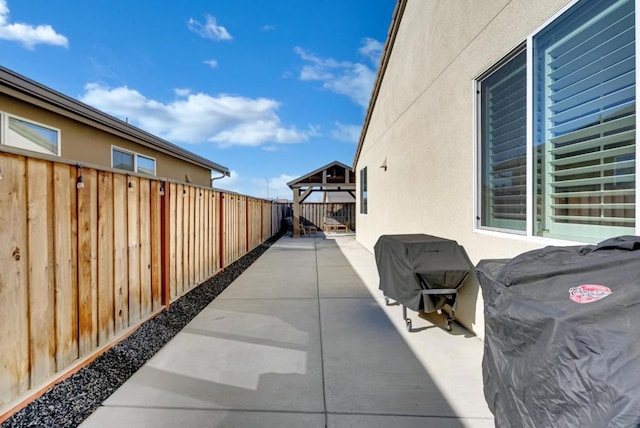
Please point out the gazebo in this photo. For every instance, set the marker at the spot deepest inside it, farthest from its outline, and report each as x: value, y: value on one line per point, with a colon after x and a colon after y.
x: 333, y: 177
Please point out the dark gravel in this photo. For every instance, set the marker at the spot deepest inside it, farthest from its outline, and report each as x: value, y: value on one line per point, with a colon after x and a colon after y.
x: 70, y: 402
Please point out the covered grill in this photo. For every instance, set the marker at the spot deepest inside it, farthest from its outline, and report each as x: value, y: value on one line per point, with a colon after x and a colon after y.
x: 421, y: 272
x: 562, y: 341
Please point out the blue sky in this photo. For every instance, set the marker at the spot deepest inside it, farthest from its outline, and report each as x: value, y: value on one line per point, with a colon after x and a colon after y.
x: 271, y: 89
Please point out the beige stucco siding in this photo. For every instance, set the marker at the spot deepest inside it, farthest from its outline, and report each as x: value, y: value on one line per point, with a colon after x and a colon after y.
x: 423, y: 123
x: 88, y: 144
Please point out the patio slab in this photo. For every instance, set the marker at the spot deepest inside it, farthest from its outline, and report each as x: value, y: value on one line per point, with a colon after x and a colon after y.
x: 368, y: 367
x: 304, y: 338
x: 236, y: 354
x: 170, y: 418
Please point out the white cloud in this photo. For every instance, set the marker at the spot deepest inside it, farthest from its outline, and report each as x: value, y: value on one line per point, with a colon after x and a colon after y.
x: 348, y: 133
x: 232, y: 183
x: 182, y: 92
x: 372, y: 49
x: 197, y: 117
x: 210, y: 29
x: 211, y: 63
x: 268, y: 27
x: 27, y: 34
x: 259, y: 187
x: 354, y: 80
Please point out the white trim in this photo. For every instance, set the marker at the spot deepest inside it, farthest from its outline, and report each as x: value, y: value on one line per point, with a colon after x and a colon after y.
x: 530, y: 165
x: 476, y: 155
x: 538, y: 240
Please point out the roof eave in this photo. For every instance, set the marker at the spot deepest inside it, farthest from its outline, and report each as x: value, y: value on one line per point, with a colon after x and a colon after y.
x: 36, y: 90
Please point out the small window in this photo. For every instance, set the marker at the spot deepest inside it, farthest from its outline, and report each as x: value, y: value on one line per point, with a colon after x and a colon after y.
x: 31, y: 136
x: 123, y: 160
x: 363, y: 190
x: 131, y: 161
x: 146, y: 165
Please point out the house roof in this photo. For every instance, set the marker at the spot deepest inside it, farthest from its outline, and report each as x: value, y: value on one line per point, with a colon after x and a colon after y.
x: 315, y: 177
x: 26, y: 89
x: 384, y: 61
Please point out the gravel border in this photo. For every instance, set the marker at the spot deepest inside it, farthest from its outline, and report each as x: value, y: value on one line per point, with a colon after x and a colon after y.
x: 70, y: 402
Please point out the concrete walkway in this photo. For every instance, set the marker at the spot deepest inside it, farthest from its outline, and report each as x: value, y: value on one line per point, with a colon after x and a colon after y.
x: 303, y: 338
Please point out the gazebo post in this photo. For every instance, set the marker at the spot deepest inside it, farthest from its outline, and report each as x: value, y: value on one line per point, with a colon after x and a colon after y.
x: 296, y: 212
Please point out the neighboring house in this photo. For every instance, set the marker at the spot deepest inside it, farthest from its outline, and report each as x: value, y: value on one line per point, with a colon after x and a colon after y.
x: 507, y: 125
x: 39, y: 119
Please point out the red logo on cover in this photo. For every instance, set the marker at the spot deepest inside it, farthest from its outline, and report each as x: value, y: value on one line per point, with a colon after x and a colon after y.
x: 588, y: 293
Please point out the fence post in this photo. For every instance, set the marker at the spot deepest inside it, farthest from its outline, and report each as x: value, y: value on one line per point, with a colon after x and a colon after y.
x: 165, y: 245
x: 221, y: 234
x: 246, y: 233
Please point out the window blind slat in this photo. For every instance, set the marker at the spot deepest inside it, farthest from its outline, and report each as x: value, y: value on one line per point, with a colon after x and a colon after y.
x: 617, y: 179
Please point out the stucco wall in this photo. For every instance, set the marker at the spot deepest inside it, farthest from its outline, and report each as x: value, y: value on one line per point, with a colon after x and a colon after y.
x: 423, y: 123
x: 86, y: 144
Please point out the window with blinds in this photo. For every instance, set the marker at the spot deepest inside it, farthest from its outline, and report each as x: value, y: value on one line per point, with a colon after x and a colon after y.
x: 584, y: 122
x: 503, y: 128
x: 363, y: 190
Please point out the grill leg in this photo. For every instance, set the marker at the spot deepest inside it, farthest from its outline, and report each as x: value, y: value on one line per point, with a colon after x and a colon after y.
x: 450, y: 319
x: 406, y: 319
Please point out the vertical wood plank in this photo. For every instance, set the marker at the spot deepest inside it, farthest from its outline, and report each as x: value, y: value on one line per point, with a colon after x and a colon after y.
x: 41, y: 291
x: 159, y: 257
x: 106, y: 310
x: 192, y: 235
x: 87, y: 262
x: 120, y: 257
x: 73, y: 214
x: 197, y: 227
x: 206, y: 204
x: 65, y: 295
x: 202, y: 226
x: 185, y: 241
x: 144, y: 216
x: 180, y: 198
x: 216, y: 231
x: 173, y: 250
x: 221, y: 243
x: 14, y: 359
x: 133, y: 249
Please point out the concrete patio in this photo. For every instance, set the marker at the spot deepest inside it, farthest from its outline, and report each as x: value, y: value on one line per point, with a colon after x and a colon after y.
x: 303, y: 338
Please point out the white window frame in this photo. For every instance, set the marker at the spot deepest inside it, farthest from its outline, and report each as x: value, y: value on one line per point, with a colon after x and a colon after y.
x: 4, y: 126
x: 477, y: 141
x: 135, y: 159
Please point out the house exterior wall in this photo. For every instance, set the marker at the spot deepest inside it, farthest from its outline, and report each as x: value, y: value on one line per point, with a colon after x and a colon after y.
x: 423, y: 123
x: 85, y: 143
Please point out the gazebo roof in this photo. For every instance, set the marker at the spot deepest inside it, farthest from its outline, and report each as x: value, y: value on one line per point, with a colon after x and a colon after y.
x: 334, y: 176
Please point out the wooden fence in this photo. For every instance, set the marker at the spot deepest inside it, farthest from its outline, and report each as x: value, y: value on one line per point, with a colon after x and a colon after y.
x: 82, y: 267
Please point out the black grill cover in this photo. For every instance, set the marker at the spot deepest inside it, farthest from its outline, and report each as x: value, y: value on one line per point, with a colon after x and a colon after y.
x: 562, y: 342
x: 408, y: 264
